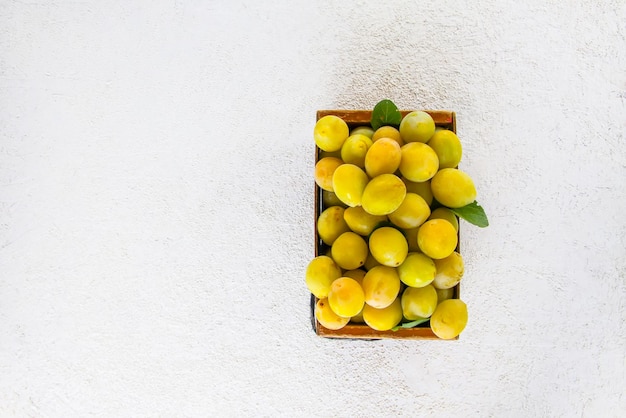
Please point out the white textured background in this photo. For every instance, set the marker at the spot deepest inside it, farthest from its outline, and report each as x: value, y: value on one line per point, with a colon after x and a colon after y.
x: 156, y: 208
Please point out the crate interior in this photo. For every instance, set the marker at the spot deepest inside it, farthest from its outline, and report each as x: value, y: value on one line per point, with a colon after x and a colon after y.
x: 354, y: 119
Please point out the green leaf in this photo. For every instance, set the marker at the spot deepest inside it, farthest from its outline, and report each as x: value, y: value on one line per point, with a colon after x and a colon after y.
x: 412, y: 324
x: 385, y: 113
x: 472, y: 213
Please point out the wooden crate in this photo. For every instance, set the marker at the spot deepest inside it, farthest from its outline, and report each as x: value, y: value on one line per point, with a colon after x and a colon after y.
x: 354, y: 118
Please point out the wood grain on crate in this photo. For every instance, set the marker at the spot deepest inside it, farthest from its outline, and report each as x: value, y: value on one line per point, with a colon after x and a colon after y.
x: 443, y: 118
x: 363, y: 332
x: 363, y: 117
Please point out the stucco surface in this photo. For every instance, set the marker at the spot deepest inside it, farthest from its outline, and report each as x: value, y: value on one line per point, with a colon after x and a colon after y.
x: 156, y: 207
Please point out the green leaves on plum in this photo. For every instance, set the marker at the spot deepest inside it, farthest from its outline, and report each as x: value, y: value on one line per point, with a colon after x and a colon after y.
x: 411, y: 324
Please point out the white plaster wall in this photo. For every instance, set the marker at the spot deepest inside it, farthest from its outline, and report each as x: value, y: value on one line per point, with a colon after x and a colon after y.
x: 156, y: 208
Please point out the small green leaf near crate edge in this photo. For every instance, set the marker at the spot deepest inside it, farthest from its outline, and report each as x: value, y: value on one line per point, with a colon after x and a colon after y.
x: 385, y: 113
x: 472, y: 213
x: 411, y: 324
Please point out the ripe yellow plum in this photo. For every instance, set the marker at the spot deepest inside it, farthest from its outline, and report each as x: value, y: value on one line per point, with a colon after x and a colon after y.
x: 449, y: 319
x: 354, y: 149
x: 383, y: 194
x: 383, y: 157
x: 419, y: 302
x: 330, y: 199
x: 349, y: 182
x: 330, y: 132
x: 361, y: 222
x: 329, y: 319
x: 330, y: 224
x: 363, y: 130
x: 349, y: 251
x: 449, y: 271
x: 417, y: 270
x: 412, y: 212
x: 388, y: 246
x: 448, y: 148
x: 453, y: 188
x: 437, y: 238
x: 444, y: 294
x: 371, y: 262
x: 447, y: 214
x: 411, y: 238
x: 381, y: 286
x: 421, y: 188
x: 346, y: 297
x: 358, y: 318
x: 388, y: 132
x: 419, y: 162
x: 417, y: 126
x: 383, y: 319
x: 324, y: 170
x: 356, y: 274
x: 320, y: 273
